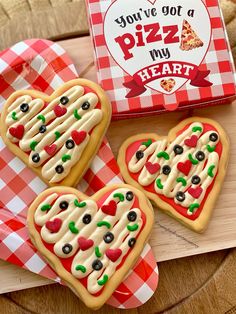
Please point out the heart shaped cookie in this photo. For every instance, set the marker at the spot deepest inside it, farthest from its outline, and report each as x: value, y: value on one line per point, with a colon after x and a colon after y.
x: 57, y: 136
x: 92, y: 250
x: 192, y: 163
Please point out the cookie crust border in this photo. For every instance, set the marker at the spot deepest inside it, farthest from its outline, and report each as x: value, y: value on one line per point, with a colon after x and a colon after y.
x: 96, y: 137
x: 89, y: 300
x: 200, y: 224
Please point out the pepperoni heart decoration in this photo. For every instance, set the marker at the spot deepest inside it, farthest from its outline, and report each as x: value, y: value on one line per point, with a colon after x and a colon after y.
x: 78, y: 136
x: 54, y: 226
x: 152, y: 168
x: 192, y: 141
x: 50, y: 149
x: 113, y: 254
x: 184, y: 167
x: 59, y: 111
x: 110, y: 209
x: 84, y: 243
x: 168, y: 85
x: 195, y: 192
x: 17, y: 132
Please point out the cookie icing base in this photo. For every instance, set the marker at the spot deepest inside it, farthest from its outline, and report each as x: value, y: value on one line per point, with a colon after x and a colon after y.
x: 198, y: 222
x: 96, y: 136
x: 97, y: 300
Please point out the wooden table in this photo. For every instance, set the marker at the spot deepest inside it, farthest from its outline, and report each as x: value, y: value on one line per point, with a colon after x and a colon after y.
x: 199, y: 284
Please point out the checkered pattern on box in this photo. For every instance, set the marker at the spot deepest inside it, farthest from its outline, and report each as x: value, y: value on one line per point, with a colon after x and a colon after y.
x: 218, y: 60
x: 42, y: 65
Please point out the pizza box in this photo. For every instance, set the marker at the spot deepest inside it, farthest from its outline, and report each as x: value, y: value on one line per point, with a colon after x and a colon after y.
x: 156, y: 56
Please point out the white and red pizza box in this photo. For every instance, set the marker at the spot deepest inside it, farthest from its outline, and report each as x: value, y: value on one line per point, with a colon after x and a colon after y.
x: 159, y: 55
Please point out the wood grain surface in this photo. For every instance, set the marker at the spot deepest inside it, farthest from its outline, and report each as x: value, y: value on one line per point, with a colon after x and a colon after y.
x: 51, y: 19
x: 200, y: 284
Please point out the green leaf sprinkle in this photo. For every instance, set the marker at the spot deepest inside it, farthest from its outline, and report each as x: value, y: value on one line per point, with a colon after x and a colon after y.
x: 159, y: 184
x: 73, y: 228
x: 193, y: 207
x: 196, y: 129
x: 97, y: 252
x: 133, y: 227
x: 164, y: 155
x: 210, y: 148
x: 46, y: 207
x: 13, y: 115
x: 181, y: 180
x: 147, y: 143
x: 104, y: 223
x: 120, y: 196
x: 41, y: 117
x: 193, y: 161
x: 64, y: 158
x: 210, y: 171
x: 76, y: 115
x: 81, y: 268
x: 103, y: 281
x: 57, y: 134
x: 78, y: 204
x: 33, y: 144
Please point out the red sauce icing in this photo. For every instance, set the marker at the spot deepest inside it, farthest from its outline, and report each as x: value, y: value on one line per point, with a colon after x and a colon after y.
x: 67, y: 262
x: 132, y: 149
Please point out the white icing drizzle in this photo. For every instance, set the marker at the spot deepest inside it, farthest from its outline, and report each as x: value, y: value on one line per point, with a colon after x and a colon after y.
x: 170, y: 186
x: 118, y: 227
x: 64, y: 125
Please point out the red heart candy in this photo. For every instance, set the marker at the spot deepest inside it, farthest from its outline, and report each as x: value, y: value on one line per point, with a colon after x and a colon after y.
x: 184, y: 167
x: 54, y: 225
x: 192, y: 141
x: 50, y: 150
x: 18, y: 131
x: 84, y: 243
x: 59, y: 111
x: 113, y: 255
x: 196, y: 193
x: 78, y: 137
x: 110, y: 209
x: 152, y: 168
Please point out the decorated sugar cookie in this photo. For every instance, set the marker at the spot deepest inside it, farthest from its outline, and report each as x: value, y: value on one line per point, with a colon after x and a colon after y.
x: 91, y: 243
x: 57, y: 136
x: 181, y: 173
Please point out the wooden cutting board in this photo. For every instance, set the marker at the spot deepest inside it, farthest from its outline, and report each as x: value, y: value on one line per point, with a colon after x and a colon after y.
x: 169, y: 239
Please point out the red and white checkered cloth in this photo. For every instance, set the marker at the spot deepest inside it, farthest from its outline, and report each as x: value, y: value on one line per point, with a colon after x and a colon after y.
x: 111, y: 76
x: 44, y: 65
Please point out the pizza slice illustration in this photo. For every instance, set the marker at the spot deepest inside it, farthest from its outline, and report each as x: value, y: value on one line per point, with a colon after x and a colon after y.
x: 189, y: 38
